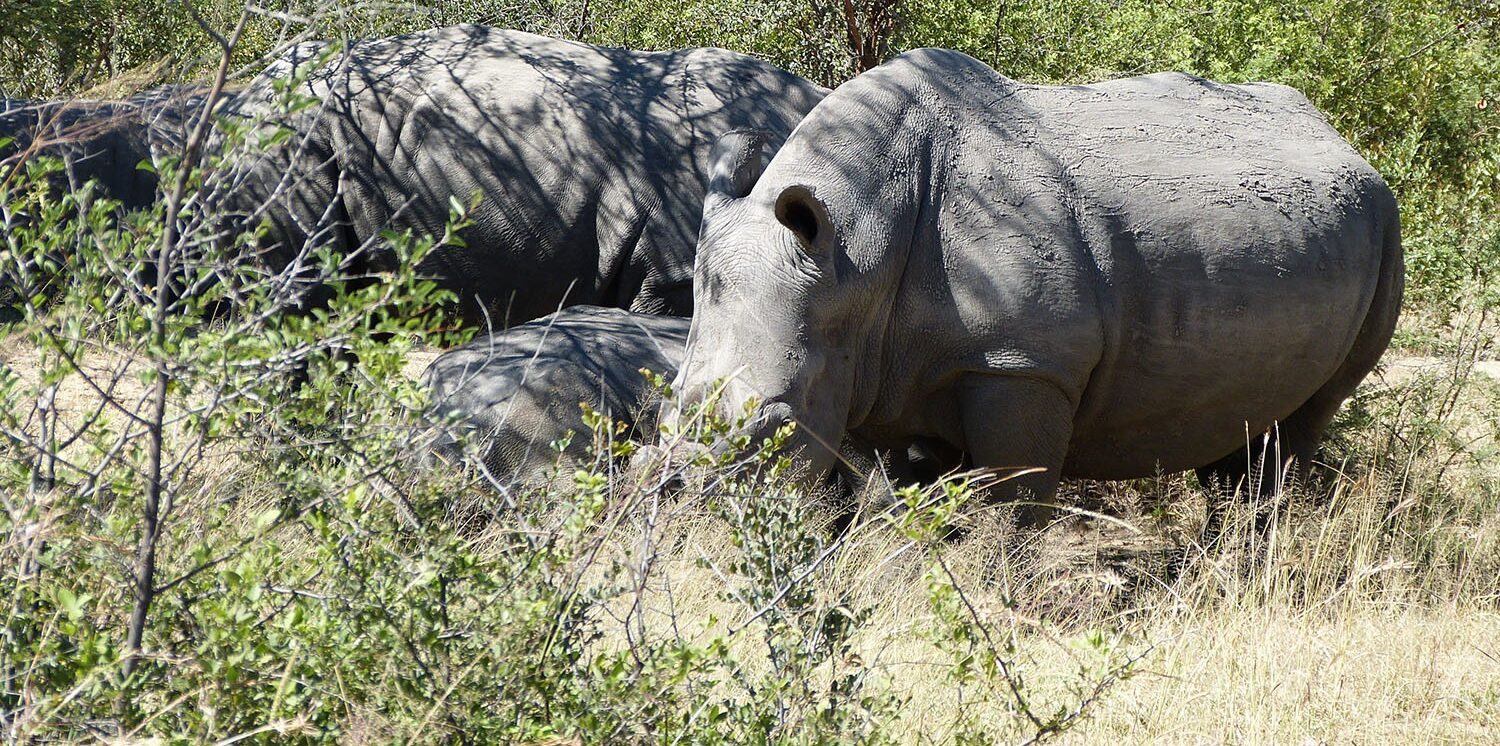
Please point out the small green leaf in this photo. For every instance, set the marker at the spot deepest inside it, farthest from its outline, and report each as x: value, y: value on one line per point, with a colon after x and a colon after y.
x: 69, y: 604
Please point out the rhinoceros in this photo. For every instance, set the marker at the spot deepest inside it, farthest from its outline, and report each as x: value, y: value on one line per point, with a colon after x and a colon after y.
x: 104, y: 142
x: 518, y: 390
x: 101, y: 141
x: 1105, y: 281
x: 591, y: 161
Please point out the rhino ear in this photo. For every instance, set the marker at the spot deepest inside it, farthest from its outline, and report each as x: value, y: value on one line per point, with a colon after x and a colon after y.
x: 806, y: 216
x: 737, y: 162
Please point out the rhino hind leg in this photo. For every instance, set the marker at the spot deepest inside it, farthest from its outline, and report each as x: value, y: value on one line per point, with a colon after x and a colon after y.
x: 1020, y: 427
x: 1284, y: 455
x: 1291, y: 446
x: 1278, y: 459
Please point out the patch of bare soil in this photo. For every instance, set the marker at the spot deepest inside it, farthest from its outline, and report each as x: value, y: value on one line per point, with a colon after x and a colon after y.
x: 1398, y: 368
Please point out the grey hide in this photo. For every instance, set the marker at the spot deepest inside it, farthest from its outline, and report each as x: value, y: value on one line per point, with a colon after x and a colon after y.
x: 1100, y: 281
x: 99, y: 141
x: 592, y: 161
x: 519, y: 390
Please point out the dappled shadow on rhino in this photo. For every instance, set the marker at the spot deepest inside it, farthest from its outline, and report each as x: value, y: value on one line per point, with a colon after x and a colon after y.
x: 512, y: 395
x: 1104, y: 281
x: 116, y: 145
x: 590, y: 161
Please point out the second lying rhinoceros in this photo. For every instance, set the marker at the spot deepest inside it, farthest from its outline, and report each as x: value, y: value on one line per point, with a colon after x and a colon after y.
x: 518, y: 391
x: 1104, y: 281
x: 106, y: 142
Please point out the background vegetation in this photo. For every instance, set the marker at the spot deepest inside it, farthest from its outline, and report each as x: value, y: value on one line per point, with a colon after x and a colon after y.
x: 1412, y: 83
x: 189, y: 553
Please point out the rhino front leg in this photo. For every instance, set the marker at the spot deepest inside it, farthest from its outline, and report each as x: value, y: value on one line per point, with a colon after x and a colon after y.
x: 1014, y: 424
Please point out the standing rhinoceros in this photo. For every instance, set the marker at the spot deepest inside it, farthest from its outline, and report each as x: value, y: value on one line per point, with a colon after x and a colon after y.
x: 1101, y: 281
x: 591, y: 161
x: 519, y: 390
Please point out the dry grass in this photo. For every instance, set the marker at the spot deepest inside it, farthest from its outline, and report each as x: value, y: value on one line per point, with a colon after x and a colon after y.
x: 1357, y: 666
x: 1370, y: 614
x: 1273, y: 675
x: 1367, y: 614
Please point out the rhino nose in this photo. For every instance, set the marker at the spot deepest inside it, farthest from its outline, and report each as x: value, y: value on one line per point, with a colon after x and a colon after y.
x: 685, y: 398
x: 693, y: 379
x: 699, y: 380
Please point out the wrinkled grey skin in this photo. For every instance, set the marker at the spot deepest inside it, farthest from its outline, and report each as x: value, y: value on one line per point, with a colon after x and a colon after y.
x: 592, y: 161
x: 519, y: 390
x: 1105, y: 281
x: 100, y: 141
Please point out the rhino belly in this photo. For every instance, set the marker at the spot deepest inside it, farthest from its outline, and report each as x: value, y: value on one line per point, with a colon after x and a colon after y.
x: 1212, y: 351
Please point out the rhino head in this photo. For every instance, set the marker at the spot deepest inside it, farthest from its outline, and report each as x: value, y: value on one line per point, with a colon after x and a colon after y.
x: 789, y: 303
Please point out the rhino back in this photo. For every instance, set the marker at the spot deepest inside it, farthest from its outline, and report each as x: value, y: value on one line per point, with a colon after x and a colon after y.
x: 102, y: 141
x: 610, y: 340
x: 520, y: 388
x: 591, y: 160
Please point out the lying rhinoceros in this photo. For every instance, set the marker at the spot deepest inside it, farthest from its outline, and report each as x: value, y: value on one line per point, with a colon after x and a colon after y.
x: 1104, y: 281
x: 515, y: 393
x: 101, y: 141
x: 591, y: 161
x: 518, y: 391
